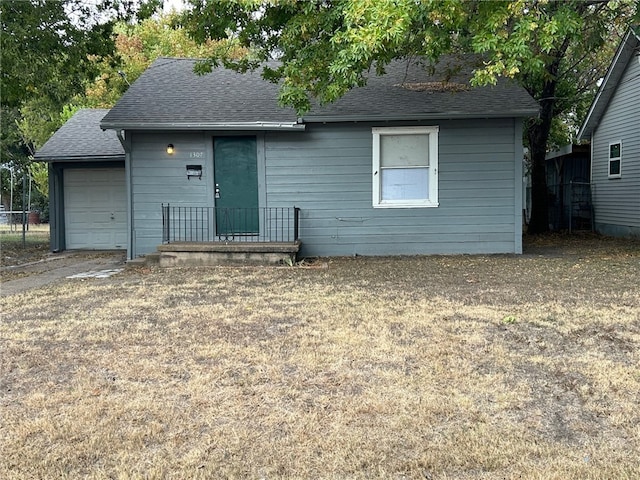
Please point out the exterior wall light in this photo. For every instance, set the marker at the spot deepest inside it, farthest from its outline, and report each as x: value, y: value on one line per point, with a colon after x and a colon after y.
x: 170, y: 149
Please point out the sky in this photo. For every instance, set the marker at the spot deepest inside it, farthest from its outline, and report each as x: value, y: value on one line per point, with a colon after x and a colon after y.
x: 173, y: 5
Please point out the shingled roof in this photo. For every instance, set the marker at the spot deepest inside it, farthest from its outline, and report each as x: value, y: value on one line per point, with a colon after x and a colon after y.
x: 168, y: 95
x: 81, y: 138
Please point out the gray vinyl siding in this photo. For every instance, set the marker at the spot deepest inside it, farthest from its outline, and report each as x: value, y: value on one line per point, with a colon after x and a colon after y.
x: 327, y: 173
x: 158, y: 178
x: 617, y: 200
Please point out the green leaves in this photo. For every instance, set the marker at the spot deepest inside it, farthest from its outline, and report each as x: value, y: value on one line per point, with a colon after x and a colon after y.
x: 327, y: 47
x: 50, y: 50
x: 40, y: 175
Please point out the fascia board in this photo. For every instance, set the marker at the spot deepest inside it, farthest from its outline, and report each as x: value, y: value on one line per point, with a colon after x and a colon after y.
x: 79, y: 158
x: 243, y: 126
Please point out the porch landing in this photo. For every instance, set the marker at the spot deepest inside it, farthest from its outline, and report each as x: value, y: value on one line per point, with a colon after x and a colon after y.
x: 182, y: 254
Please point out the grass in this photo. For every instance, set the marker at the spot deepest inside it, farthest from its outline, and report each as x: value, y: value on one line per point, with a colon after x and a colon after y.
x: 443, y: 367
x: 15, y: 251
x: 18, y: 251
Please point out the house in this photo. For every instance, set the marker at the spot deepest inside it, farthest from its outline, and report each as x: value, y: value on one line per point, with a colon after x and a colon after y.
x: 613, y: 127
x: 87, y: 187
x: 408, y: 164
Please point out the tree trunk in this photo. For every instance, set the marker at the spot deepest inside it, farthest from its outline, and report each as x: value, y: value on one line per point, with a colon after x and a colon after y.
x: 539, y: 222
x: 538, y: 135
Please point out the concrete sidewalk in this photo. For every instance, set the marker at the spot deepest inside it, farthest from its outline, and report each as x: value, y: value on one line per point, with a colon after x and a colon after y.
x: 83, y: 264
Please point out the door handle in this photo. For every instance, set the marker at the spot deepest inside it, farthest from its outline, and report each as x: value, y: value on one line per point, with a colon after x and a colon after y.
x: 217, y: 192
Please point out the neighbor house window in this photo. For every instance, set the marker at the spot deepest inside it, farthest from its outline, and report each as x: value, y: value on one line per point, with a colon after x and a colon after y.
x: 615, y: 160
x: 405, y: 167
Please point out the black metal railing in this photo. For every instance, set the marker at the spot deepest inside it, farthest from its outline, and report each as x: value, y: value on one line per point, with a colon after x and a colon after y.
x: 210, y: 224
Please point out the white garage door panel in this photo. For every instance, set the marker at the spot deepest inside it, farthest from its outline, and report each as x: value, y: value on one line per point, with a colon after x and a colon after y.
x: 95, y: 208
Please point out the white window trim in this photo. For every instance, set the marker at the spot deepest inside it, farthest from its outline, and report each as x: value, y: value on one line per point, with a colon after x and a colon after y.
x: 617, y: 175
x: 432, y: 201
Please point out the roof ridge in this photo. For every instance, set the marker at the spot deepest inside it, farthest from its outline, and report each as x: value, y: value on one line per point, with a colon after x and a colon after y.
x: 178, y: 58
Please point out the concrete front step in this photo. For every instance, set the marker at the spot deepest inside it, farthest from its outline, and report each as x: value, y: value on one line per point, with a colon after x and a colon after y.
x: 226, y: 253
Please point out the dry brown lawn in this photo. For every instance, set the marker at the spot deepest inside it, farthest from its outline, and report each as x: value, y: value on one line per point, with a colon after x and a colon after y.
x: 14, y: 251
x: 442, y: 367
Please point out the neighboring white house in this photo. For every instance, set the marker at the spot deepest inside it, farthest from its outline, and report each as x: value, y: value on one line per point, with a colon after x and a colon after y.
x: 613, y: 126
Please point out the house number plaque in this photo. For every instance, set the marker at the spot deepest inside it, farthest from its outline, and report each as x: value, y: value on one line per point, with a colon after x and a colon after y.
x: 196, y: 154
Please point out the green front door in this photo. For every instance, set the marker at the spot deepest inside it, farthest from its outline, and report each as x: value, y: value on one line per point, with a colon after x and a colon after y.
x: 236, y: 186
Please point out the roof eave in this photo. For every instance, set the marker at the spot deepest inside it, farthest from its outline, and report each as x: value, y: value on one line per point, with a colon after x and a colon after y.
x: 237, y: 126
x: 79, y: 158
x: 613, y: 75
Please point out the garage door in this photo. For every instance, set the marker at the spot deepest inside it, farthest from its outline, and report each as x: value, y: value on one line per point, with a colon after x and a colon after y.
x: 95, y: 214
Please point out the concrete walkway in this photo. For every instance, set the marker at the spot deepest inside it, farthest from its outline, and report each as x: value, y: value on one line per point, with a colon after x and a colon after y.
x: 80, y: 264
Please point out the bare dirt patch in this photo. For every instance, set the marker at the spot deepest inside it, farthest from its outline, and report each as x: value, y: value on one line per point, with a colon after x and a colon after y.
x: 17, y: 250
x: 473, y: 367
x: 31, y: 257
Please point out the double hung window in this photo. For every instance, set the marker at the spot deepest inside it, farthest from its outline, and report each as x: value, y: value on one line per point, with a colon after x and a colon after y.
x: 615, y: 160
x: 405, y: 167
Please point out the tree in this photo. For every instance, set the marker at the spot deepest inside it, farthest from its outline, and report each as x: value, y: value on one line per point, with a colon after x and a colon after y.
x: 553, y: 48
x: 106, y: 77
x: 136, y: 47
x: 49, y: 50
